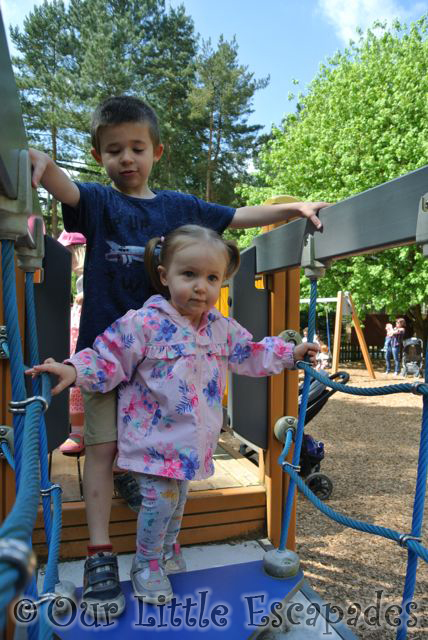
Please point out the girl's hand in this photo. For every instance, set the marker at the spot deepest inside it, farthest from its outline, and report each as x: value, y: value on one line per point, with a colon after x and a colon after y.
x: 309, y: 348
x: 65, y: 372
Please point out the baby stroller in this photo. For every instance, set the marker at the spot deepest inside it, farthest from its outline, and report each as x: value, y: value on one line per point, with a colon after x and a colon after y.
x: 312, y: 451
x: 311, y: 455
x: 411, y: 361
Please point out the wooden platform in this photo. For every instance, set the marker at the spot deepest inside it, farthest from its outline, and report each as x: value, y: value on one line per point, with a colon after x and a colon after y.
x: 230, y: 504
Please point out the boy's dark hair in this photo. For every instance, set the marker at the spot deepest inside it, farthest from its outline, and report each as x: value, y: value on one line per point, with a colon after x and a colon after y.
x: 159, y: 251
x: 120, y: 109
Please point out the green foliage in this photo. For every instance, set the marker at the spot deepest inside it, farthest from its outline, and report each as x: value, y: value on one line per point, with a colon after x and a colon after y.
x: 221, y: 101
x: 364, y: 121
x: 72, y: 57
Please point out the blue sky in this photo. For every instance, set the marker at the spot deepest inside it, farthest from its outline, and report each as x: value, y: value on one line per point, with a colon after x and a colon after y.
x: 286, y: 39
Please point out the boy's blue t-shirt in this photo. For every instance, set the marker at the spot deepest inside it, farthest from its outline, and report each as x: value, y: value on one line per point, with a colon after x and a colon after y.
x: 117, y: 228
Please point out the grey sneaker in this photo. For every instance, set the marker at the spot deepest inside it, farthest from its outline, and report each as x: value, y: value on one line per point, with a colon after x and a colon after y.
x: 173, y: 560
x: 102, y: 592
x: 150, y: 582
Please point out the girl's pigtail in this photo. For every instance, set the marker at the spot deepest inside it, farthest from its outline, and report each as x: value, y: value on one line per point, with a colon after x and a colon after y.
x: 152, y: 259
x: 234, y: 257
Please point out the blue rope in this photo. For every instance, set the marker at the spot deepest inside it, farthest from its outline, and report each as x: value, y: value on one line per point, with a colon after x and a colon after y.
x: 300, y: 423
x: 418, y: 514
x: 7, y: 454
x: 410, y: 541
x: 29, y: 437
x: 287, y: 445
x: 53, y: 537
x: 358, y: 525
x: 33, y: 349
x: 19, y: 523
x: 14, y: 342
x: 362, y: 391
x: 18, y: 386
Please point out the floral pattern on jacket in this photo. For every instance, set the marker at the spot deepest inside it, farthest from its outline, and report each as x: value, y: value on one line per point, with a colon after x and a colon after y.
x: 171, y: 380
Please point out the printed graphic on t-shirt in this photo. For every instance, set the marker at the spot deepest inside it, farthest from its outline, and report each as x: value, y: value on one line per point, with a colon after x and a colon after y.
x: 124, y: 254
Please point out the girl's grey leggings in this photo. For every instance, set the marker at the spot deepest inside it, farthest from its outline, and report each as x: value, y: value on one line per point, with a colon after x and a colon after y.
x: 160, y: 515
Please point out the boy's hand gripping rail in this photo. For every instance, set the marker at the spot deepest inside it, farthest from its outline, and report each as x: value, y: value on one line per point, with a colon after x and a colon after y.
x: 15, y: 211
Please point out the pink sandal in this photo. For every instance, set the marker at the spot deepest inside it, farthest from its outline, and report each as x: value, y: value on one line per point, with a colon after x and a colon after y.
x: 74, y: 444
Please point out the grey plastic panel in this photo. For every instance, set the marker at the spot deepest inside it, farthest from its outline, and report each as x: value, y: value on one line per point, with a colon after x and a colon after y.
x: 52, y: 300
x: 248, y: 397
x: 12, y: 137
x: 385, y: 216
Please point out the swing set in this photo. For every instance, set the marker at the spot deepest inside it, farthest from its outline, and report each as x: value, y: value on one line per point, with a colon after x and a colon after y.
x: 344, y: 307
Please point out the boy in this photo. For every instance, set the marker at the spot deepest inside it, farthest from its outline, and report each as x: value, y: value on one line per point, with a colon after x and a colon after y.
x: 118, y: 221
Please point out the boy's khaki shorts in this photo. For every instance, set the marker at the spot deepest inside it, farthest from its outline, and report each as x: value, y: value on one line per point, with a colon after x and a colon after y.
x: 100, y: 424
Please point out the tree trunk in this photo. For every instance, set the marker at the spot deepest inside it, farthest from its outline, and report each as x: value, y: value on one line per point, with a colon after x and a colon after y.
x: 209, y: 168
x: 54, y: 202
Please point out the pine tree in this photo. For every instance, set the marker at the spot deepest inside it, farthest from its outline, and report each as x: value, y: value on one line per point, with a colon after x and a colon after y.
x: 221, y: 102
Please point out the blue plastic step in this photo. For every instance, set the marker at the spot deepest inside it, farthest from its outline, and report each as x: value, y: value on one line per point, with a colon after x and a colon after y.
x: 230, y: 600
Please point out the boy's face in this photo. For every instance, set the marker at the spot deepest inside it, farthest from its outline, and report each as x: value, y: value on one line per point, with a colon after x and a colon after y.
x: 127, y: 155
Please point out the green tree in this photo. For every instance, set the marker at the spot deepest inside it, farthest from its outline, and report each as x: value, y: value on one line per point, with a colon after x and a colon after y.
x: 221, y: 102
x: 363, y: 121
x: 44, y: 73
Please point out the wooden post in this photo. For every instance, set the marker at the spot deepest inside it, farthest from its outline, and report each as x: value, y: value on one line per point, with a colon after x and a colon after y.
x: 361, y: 340
x: 337, y: 332
x: 273, y: 472
x: 291, y: 399
x: 284, y: 313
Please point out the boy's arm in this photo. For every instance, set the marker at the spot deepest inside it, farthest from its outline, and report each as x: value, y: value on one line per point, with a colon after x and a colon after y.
x: 53, y: 179
x: 264, y: 214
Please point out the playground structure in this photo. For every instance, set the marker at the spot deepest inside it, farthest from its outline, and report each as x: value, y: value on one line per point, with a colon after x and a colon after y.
x: 389, y: 215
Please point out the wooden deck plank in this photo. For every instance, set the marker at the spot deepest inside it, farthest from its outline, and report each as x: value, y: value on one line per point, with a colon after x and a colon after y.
x: 231, y: 503
x: 231, y: 470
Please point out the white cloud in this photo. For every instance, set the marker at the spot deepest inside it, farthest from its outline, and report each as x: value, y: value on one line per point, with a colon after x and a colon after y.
x: 347, y: 15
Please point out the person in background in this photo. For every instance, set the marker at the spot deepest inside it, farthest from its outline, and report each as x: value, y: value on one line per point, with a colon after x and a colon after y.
x: 397, y: 343
x: 75, y: 243
x: 387, y: 347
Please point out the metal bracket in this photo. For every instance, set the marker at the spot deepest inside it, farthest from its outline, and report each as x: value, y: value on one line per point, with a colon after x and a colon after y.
x: 4, y: 348
x: 21, y: 556
x: 30, y: 249
x: 19, y: 406
x: 6, y: 435
x: 14, y: 213
x: 422, y: 225
x: 313, y: 268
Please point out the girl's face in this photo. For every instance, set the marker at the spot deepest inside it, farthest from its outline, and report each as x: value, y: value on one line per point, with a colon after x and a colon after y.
x: 194, y: 277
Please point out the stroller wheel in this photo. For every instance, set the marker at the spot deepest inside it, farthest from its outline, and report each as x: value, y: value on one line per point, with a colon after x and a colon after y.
x: 320, y: 485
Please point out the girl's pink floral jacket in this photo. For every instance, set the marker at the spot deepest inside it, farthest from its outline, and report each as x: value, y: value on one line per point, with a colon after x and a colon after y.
x: 172, y: 379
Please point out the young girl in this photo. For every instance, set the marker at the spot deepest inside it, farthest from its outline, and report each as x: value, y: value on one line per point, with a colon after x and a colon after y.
x: 170, y: 359
x: 387, y: 347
